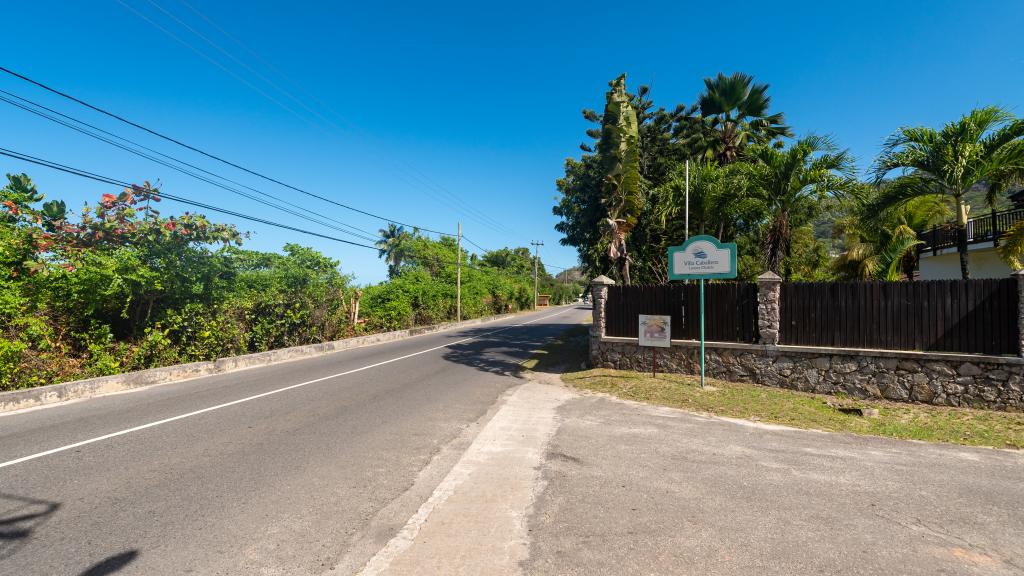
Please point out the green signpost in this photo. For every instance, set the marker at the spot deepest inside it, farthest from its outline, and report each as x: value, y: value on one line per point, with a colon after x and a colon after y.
x: 702, y: 258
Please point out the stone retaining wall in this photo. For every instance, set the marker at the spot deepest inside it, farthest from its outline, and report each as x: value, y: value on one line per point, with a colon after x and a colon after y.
x: 941, y: 379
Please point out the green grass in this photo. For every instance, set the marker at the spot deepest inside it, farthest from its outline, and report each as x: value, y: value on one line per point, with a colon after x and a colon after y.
x: 779, y: 406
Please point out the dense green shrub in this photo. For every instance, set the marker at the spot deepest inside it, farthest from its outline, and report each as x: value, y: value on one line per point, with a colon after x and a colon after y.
x: 121, y: 288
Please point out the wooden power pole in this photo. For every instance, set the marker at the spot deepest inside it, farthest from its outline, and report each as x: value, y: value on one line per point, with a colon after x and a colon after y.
x: 458, y: 276
x: 536, y: 260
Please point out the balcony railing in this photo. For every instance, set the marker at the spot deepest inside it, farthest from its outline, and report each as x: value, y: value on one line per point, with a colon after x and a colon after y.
x: 980, y: 229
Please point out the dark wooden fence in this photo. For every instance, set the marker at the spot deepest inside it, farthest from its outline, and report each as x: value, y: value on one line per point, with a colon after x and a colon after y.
x: 978, y: 316
x: 730, y: 310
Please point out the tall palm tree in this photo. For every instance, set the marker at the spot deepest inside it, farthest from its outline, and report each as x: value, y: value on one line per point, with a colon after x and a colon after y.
x: 791, y: 184
x: 391, y: 247
x: 982, y: 148
x: 734, y: 114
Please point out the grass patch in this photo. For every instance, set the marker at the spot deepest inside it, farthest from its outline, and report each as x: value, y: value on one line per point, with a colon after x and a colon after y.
x: 965, y: 426
x: 803, y: 410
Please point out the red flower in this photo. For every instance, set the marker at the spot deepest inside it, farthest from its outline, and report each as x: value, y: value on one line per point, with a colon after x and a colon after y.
x: 108, y: 199
x: 169, y: 225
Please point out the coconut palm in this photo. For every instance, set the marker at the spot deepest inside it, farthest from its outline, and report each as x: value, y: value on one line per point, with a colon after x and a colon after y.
x: 391, y: 247
x: 791, y: 185
x: 982, y: 148
x: 734, y: 114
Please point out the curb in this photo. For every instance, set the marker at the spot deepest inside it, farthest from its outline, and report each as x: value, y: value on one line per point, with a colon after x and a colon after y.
x: 92, y: 387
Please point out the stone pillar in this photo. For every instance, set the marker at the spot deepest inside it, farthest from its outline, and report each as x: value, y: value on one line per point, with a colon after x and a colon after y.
x: 599, y: 296
x: 1019, y: 275
x: 769, y: 291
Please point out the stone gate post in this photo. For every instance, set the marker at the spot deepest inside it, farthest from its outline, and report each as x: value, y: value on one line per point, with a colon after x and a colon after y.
x: 599, y: 296
x: 769, y: 291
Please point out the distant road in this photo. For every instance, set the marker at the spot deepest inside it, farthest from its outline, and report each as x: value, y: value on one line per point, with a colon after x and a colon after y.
x: 273, y: 470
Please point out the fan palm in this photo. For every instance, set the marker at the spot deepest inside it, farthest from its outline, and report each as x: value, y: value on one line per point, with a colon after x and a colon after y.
x: 982, y: 148
x: 734, y: 113
x: 791, y: 185
x: 391, y: 247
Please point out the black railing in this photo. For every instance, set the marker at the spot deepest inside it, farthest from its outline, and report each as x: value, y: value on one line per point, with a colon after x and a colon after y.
x: 979, y: 229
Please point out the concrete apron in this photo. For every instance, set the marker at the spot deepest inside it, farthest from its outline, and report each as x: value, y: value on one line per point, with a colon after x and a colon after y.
x: 475, y: 520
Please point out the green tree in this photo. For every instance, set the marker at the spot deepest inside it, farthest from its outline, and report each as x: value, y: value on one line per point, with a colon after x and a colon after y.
x: 619, y: 153
x: 983, y: 148
x: 883, y: 244
x: 393, y: 246
x: 791, y: 185
x: 734, y: 114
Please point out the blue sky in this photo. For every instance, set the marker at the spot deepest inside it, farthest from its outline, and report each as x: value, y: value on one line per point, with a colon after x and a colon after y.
x: 418, y: 111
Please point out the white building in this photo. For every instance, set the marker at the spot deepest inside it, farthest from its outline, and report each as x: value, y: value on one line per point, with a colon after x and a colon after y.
x: 938, y: 258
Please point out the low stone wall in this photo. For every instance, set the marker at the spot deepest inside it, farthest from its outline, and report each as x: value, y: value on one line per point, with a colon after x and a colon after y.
x: 993, y: 382
x: 91, y: 387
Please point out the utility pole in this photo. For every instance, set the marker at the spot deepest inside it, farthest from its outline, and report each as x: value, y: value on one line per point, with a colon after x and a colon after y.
x: 536, y: 259
x: 458, y: 276
x: 686, y: 233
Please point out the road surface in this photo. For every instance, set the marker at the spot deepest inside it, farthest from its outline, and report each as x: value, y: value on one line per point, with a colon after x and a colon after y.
x: 285, y: 483
x: 434, y: 456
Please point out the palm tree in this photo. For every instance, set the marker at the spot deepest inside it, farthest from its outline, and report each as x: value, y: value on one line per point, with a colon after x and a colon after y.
x: 982, y: 148
x: 391, y: 247
x: 734, y: 114
x: 791, y: 184
x: 718, y: 202
x: 884, y: 245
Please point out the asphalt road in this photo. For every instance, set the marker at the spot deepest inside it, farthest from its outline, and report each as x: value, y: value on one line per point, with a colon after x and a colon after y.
x: 208, y: 477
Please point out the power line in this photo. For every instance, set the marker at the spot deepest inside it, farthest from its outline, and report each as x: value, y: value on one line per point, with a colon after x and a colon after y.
x: 470, y: 210
x: 365, y: 235
x: 115, y: 182
x: 208, y: 154
x: 182, y: 200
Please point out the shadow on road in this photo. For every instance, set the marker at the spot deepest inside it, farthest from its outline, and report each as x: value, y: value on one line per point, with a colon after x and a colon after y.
x: 19, y: 517
x: 112, y: 564
x: 504, y: 352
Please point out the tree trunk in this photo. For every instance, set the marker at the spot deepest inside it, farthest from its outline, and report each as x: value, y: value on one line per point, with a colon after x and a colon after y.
x: 909, y: 263
x: 961, y: 237
x: 788, y: 267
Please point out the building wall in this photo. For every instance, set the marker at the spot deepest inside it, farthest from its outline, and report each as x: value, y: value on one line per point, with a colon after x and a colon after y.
x: 982, y: 259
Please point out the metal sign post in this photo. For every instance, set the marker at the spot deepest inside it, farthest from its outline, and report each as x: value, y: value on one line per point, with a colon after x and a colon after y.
x: 701, y: 332
x: 702, y: 258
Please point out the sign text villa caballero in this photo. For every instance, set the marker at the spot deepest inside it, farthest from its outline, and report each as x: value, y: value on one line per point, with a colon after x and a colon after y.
x: 702, y: 257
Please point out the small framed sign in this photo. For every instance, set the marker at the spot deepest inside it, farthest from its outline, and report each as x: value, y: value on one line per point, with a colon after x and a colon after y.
x: 655, y: 331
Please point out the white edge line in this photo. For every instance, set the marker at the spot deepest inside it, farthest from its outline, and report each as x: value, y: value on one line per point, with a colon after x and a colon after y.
x: 262, y: 395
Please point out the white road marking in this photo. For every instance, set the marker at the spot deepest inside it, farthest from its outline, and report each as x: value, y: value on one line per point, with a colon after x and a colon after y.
x: 262, y: 395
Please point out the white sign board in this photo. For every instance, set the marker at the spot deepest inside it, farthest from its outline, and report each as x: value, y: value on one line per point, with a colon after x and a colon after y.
x: 655, y: 330
x: 702, y: 257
